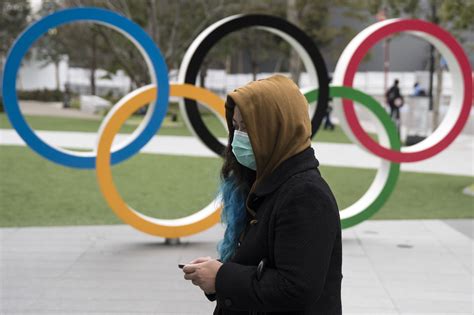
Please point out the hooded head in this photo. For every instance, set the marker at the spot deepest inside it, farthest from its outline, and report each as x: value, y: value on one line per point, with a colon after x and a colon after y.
x: 275, y: 113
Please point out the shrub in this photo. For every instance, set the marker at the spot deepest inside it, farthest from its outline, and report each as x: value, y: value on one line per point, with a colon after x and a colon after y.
x: 43, y: 95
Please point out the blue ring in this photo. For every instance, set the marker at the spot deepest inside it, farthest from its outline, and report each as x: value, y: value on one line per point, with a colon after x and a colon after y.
x: 39, y: 28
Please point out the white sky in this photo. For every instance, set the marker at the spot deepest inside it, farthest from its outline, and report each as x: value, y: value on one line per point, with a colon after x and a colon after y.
x: 35, y: 5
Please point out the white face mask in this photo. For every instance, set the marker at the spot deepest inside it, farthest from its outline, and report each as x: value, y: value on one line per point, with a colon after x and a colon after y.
x: 242, y: 149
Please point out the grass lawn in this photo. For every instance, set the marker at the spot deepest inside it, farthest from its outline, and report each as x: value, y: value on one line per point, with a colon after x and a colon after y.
x: 168, y: 127
x: 36, y: 192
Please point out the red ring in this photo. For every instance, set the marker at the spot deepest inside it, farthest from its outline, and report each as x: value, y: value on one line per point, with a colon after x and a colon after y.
x: 348, y: 106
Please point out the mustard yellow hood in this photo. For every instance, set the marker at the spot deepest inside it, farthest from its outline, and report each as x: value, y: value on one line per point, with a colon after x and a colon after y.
x: 275, y: 113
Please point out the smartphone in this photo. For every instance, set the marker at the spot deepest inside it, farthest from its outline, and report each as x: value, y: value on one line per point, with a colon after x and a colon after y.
x: 181, y: 265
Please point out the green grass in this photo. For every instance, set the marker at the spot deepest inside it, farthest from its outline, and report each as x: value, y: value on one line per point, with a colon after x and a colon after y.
x: 36, y: 192
x: 168, y: 127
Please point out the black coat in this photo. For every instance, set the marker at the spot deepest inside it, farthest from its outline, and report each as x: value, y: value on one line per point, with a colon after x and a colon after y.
x: 392, y: 94
x: 298, y: 233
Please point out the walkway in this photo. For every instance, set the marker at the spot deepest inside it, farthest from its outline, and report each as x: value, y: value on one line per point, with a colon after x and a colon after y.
x: 457, y: 159
x: 389, y: 267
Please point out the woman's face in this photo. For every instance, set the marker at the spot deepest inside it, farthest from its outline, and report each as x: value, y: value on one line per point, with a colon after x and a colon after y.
x: 237, y: 120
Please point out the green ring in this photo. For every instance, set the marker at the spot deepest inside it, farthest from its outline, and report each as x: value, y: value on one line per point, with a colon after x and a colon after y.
x: 394, y: 141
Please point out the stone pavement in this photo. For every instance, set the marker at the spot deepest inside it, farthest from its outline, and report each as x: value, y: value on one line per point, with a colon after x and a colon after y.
x: 457, y: 159
x: 389, y: 267
x: 54, y: 109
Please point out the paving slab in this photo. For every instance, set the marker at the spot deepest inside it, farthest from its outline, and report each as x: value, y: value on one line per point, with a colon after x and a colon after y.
x: 389, y: 267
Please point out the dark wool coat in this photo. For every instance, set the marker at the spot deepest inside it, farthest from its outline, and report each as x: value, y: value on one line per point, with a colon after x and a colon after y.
x: 299, y: 234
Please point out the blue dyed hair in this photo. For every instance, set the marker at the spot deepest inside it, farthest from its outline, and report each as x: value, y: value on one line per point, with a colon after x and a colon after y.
x: 234, y: 214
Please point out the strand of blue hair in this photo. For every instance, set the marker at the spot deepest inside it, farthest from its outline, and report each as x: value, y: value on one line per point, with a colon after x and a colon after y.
x: 233, y: 216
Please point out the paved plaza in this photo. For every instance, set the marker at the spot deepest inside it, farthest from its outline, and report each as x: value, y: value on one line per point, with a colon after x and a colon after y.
x: 389, y: 267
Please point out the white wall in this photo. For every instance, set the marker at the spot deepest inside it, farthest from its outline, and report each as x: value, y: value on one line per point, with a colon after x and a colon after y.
x: 32, y: 76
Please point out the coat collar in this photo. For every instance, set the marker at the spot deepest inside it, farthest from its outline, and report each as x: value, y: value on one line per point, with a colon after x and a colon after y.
x: 297, y: 163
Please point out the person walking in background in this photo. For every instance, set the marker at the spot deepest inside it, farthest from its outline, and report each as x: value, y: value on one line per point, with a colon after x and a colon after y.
x: 282, y: 250
x: 327, y: 117
x: 395, y: 101
x: 67, y: 96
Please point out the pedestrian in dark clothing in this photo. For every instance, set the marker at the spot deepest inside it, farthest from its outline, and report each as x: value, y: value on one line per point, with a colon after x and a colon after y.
x: 394, y: 100
x: 282, y: 250
x: 67, y: 96
x: 327, y: 119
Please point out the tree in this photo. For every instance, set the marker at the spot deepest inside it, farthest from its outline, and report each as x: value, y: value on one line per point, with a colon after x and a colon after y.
x: 13, y: 18
x: 51, y: 48
x: 173, y: 25
x: 314, y: 17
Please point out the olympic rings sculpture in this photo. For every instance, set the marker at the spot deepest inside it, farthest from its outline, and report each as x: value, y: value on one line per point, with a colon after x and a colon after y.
x: 156, y: 95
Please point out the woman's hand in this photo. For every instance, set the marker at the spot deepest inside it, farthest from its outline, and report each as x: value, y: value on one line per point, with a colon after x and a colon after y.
x: 200, y: 260
x: 202, y: 272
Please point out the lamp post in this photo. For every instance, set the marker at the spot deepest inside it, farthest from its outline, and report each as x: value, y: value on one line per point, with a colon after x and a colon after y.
x: 380, y: 16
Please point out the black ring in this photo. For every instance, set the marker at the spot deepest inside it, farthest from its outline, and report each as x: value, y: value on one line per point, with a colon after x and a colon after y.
x: 237, y: 23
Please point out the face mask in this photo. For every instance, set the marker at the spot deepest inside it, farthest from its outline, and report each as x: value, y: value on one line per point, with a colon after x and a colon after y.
x: 243, y: 150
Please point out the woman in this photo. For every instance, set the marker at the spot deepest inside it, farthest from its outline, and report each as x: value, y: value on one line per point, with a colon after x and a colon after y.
x: 281, y: 252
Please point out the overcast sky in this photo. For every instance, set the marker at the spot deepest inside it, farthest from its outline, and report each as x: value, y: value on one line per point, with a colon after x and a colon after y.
x: 35, y: 5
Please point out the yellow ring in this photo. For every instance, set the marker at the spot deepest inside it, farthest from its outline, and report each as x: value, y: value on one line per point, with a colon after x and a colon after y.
x: 197, y: 222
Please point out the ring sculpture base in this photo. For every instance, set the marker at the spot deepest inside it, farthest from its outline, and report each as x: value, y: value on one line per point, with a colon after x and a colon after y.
x: 172, y: 241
